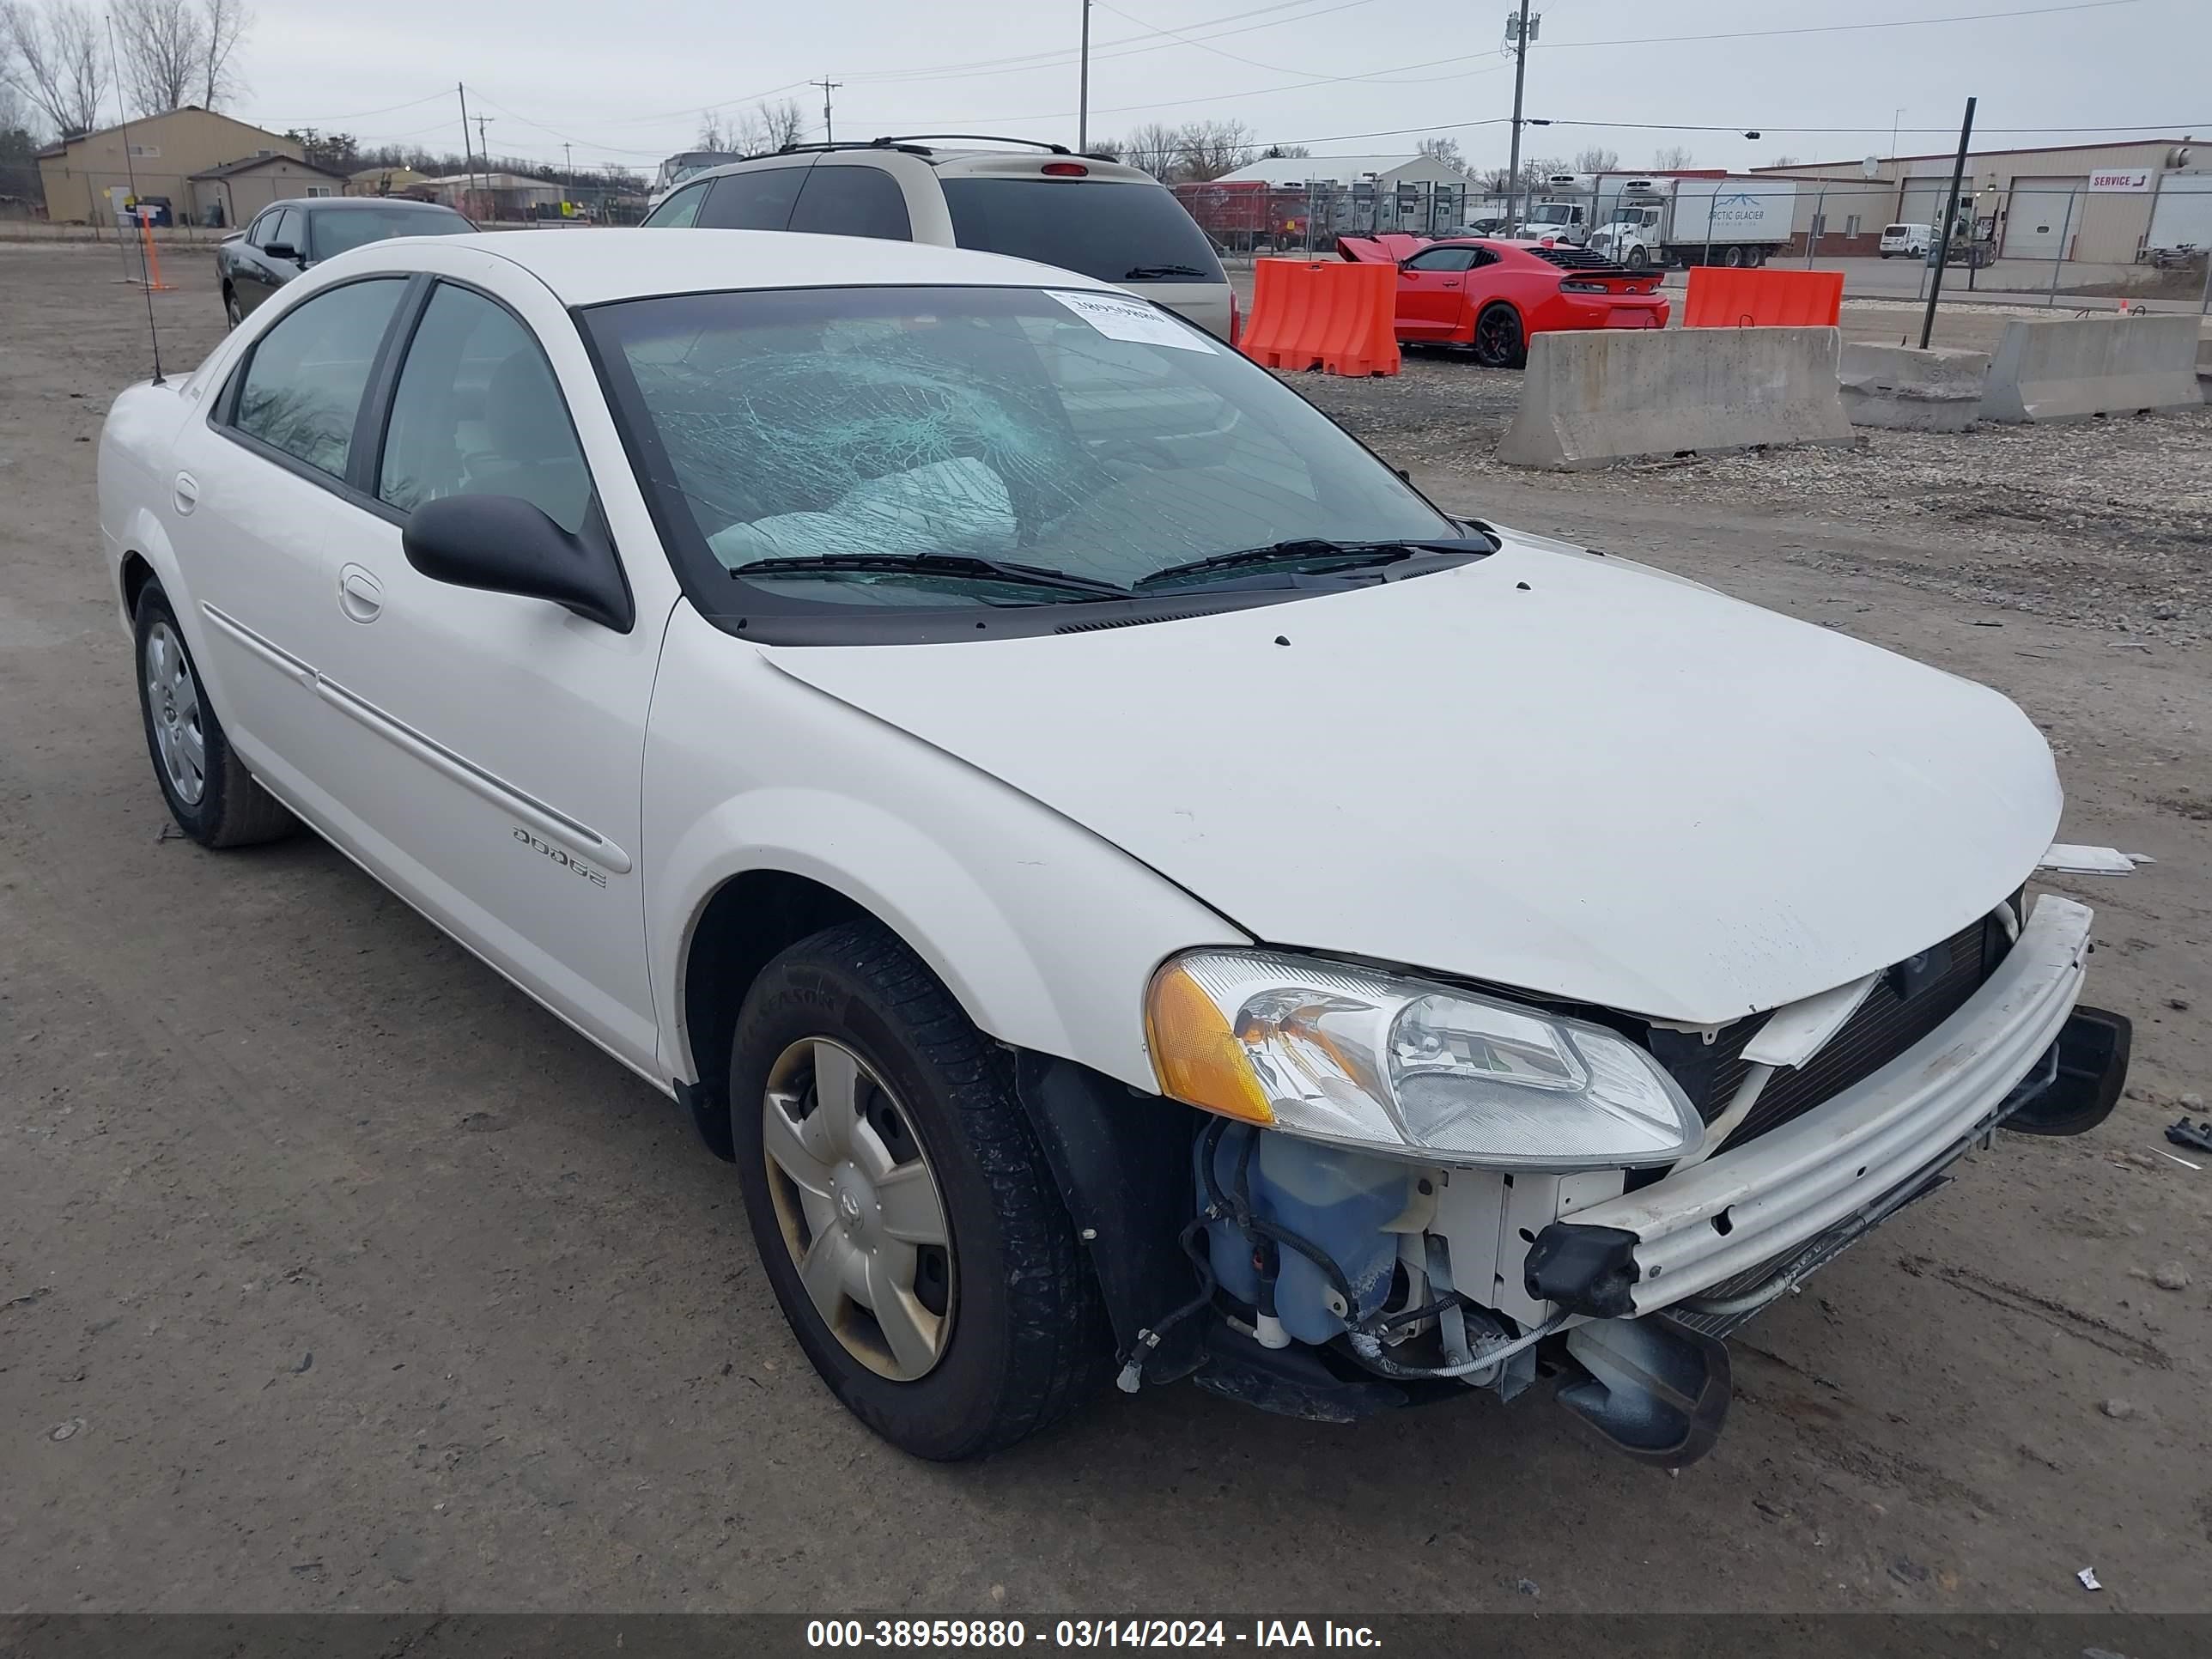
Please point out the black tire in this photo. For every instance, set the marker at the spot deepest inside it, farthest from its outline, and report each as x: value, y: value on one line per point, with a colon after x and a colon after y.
x: 232, y: 810
x: 1637, y: 259
x: 1732, y: 257
x: 1497, y: 340
x: 232, y: 315
x: 1028, y: 1339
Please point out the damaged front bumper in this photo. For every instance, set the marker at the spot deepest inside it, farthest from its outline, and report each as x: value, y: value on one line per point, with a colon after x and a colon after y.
x: 1816, y: 1183
x: 1581, y: 1266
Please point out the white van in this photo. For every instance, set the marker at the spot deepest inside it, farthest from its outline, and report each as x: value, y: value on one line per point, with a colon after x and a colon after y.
x: 1913, y: 240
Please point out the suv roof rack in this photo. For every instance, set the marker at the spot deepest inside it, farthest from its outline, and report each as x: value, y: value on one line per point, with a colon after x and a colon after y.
x: 980, y: 138
x: 847, y: 143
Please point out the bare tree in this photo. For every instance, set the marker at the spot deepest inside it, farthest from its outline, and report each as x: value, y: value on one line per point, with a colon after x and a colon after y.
x: 1597, y: 159
x: 1285, y: 153
x: 713, y: 135
x: 1538, y: 169
x: 768, y: 127
x: 54, y: 59
x: 18, y: 120
x: 1446, y: 150
x: 163, y: 52
x: 1108, y: 149
x: 1783, y: 161
x: 226, y: 23
x: 1210, y: 148
x: 1156, y: 148
x: 1673, y: 158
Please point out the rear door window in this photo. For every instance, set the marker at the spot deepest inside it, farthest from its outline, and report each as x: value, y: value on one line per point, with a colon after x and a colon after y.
x: 752, y: 201
x: 301, y: 392
x: 1117, y: 232
x: 852, y: 200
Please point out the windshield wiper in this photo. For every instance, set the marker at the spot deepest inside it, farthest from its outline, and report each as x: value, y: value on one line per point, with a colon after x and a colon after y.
x: 1154, y: 273
x: 1309, y: 550
x: 936, y: 564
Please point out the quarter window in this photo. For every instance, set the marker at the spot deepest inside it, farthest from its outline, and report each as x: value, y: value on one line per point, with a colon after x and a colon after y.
x: 478, y: 412
x: 301, y: 389
x: 852, y: 200
x: 678, y: 210
x: 760, y: 200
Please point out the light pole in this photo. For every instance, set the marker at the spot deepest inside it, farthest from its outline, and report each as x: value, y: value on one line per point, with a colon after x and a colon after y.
x: 1083, y: 88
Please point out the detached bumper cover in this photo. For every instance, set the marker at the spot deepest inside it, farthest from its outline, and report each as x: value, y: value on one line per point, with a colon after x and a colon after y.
x: 1892, y: 1130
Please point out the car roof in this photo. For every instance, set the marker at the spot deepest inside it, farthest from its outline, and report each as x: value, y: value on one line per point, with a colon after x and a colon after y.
x: 592, y: 266
x: 343, y: 204
x: 958, y: 157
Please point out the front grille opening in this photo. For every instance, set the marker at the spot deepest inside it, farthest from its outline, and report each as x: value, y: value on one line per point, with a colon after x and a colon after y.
x: 1901, y: 1010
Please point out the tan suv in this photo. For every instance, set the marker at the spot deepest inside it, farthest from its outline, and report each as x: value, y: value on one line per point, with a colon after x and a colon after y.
x: 1039, y: 202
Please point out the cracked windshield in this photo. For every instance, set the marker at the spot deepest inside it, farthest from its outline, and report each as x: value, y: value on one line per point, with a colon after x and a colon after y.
x: 1083, y: 434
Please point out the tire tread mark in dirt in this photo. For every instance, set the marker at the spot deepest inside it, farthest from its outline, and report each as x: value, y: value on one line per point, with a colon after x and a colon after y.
x: 2050, y: 1311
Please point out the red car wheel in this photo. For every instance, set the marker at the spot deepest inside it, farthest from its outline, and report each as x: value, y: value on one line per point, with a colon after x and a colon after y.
x: 1497, y: 341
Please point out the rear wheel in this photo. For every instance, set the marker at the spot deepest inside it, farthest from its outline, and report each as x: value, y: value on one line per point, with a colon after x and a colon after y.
x: 231, y: 313
x: 1732, y: 257
x: 209, y: 793
x: 1497, y: 341
x: 908, y: 1224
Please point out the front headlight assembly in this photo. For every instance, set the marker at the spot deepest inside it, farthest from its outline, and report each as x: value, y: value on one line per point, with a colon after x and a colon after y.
x: 1406, y: 1068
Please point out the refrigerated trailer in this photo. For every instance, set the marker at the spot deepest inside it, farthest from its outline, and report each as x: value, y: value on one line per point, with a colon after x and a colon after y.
x: 1698, y: 221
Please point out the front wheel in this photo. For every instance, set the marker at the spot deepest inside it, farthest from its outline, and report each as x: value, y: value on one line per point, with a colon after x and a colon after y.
x: 1637, y: 259
x: 1497, y: 343
x: 908, y: 1224
x: 210, y: 794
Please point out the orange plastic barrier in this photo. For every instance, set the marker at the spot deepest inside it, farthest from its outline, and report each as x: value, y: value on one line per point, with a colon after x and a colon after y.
x: 1330, y: 314
x: 1721, y: 298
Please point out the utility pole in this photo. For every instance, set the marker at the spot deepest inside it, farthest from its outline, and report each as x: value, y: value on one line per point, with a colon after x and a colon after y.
x: 828, y: 133
x: 468, y: 155
x: 1083, y: 88
x: 567, y: 171
x: 484, y: 149
x: 1521, y: 30
x: 1950, y: 218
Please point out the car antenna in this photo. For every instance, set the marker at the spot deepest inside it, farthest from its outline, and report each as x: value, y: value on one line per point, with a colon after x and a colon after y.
x: 131, y: 173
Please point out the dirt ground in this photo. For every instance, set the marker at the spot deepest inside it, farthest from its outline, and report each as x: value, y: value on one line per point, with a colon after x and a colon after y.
x: 335, y: 1274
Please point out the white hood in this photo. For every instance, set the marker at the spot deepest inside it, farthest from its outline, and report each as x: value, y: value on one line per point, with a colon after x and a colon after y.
x: 1607, y: 784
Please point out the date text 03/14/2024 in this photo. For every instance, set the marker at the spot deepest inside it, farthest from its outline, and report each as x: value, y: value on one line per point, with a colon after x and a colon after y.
x: 1009, y: 1633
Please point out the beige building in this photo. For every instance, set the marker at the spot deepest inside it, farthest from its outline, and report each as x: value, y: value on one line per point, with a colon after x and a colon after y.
x: 166, y: 151
x: 2103, y: 204
x: 245, y: 187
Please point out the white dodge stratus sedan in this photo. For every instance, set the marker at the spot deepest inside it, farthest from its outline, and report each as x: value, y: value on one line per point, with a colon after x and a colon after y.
x: 1137, y: 890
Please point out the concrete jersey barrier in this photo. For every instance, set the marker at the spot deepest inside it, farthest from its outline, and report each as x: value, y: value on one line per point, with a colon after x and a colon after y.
x: 1938, y: 390
x: 1611, y: 394
x: 2068, y: 368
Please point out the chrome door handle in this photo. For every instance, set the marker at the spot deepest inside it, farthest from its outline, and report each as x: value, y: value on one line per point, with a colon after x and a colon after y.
x: 360, y: 595
x: 187, y: 492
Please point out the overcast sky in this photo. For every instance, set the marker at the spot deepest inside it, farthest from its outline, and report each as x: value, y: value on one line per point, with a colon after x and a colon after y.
x: 626, y: 83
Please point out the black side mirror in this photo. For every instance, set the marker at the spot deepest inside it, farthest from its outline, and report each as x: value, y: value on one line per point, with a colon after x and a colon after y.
x: 505, y: 545
x: 280, y: 250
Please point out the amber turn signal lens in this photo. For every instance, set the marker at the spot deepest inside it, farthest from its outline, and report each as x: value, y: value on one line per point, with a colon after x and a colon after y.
x: 1197, y: 1057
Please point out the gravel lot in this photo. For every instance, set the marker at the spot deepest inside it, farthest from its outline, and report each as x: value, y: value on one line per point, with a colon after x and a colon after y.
x: 335, y: 1274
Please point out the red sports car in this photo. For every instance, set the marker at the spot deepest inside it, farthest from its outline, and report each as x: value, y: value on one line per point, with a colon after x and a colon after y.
x: 1492, y: 295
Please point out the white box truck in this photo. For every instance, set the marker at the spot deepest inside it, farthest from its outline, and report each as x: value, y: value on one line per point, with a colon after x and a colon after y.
x: 1698, y: 222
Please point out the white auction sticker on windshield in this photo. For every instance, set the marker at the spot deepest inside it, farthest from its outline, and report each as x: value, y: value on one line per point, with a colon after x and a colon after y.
x: 1119, y: 317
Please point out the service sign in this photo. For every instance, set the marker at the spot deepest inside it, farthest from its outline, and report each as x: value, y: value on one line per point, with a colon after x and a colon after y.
x: 2123, y: 179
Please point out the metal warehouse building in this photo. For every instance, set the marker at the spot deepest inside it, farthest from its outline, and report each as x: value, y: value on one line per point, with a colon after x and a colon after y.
x: 2102, y: 204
